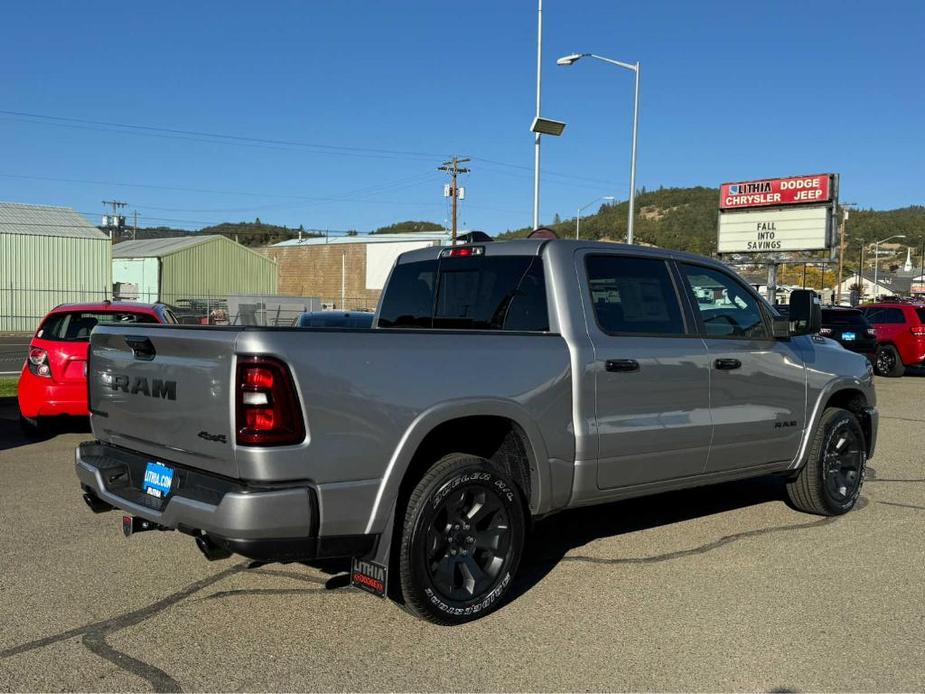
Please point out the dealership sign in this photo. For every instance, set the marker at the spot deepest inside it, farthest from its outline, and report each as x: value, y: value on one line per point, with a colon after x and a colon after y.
x: 770, y: 192
x: 774, y: 230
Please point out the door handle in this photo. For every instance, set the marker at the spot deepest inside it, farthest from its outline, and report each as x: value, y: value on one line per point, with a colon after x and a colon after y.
x: 727, y: 364
x: 621, y: 365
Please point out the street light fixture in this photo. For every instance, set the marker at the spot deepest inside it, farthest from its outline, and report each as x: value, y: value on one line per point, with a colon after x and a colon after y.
x: 547, y: 126
x: 877, y: 260
x: 582, y: 209
x: 633, y: 67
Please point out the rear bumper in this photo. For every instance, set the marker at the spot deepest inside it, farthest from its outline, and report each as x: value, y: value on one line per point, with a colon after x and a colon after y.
x: 269, y: 523
x: 42, y: 397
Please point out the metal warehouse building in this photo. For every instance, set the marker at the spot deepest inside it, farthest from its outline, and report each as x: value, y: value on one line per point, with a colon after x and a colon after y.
x: 48, y: 256
x: 191, y: 267
x: 346, y: 272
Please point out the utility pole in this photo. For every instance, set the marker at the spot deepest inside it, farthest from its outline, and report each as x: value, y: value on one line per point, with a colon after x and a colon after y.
x: 452, y: 167
x: 841, y: 248
x: 135, y: 225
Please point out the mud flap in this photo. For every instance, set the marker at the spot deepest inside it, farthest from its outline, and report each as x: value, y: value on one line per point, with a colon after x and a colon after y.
x: 370, y: 572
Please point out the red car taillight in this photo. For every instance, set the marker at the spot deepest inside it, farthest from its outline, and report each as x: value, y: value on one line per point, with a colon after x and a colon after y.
x: 918, y: 330
x: 267, y: 407
x: 38, y: 362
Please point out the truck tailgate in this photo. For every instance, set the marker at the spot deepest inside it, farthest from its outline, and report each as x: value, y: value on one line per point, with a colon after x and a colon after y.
x: 166, y: 392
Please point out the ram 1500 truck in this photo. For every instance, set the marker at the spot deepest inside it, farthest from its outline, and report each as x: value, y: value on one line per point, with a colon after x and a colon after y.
x: 500, y: 383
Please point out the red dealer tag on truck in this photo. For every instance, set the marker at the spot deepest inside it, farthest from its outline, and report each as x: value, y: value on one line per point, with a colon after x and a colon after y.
x: 795, y: 190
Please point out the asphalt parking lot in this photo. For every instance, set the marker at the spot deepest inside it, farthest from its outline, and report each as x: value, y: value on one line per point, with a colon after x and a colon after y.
x: 723, y: 588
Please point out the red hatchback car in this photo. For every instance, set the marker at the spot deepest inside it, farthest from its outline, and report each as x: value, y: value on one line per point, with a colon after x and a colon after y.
x: 54, y: 377
x: 900, y: 336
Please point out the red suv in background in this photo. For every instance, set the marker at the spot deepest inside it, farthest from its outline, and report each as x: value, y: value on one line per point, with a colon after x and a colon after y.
x: 900, y: 336
x: 54, y: 378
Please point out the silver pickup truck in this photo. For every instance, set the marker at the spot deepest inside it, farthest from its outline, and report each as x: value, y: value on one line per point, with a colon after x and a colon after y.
x: 500, y: 383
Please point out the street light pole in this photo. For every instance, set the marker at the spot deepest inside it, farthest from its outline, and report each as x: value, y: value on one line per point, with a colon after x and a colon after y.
x: 633, y: 67
x: 877, y: 260
x: 582, y: 209
x: 632, y: 215
x: 536, y: 136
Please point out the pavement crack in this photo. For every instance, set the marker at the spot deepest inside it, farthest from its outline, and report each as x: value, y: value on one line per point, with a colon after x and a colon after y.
x: 159, y: 680
x: 894, y: 503
x: 262, y: 591
x: 884, y: 479
x: 726, y: 540
x: 126, y: 619
x: 904, y: 419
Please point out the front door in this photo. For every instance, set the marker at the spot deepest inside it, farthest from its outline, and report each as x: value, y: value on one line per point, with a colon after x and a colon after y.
x: 651, y: 372
x: 758, y: 384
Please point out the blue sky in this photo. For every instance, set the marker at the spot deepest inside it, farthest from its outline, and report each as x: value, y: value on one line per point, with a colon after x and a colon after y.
x: 730, y: 91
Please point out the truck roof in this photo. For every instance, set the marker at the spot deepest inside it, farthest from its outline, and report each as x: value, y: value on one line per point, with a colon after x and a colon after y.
x: 535, y: 246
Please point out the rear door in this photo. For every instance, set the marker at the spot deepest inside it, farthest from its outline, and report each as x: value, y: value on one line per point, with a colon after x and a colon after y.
x: 651, y: 372
x: 890, y: 322
x: 758, y: 384
x: 167, y: 392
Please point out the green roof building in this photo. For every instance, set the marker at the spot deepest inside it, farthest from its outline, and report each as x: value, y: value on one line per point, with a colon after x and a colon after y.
x: 48, y: 256
x: 191, y: 267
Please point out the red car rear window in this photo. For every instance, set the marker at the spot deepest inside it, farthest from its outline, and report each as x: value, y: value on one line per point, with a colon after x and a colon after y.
x: 75, y: 326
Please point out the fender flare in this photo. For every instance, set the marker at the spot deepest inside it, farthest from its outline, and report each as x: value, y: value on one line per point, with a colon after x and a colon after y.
x: 832, y: 387
x: 442, y: 413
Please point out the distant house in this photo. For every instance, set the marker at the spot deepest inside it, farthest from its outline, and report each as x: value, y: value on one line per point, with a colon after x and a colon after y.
x: 48, y: 256
x: 888, y: 284
x: 191, y: 267
x: 347, y: 271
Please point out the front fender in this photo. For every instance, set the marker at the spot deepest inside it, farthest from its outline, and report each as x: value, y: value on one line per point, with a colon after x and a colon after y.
x: 442, y: 413
x: 862, y: 384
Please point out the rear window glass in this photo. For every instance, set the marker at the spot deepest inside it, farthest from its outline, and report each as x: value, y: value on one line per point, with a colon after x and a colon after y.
x: 75, y: 326
x: 885, y: 315
x: 470, y: 293
x: 634, y: 296
x: 853, y: 318
x: 920, y: 312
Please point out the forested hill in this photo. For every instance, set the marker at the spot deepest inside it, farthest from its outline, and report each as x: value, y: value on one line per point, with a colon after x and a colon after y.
x: 251, y: 234
x: 685, y: 219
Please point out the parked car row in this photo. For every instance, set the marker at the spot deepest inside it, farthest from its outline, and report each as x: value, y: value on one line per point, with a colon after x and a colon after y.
x: 890, y: 334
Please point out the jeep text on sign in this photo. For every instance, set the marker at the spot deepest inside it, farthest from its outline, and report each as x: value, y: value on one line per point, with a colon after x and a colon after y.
x: 772, y: 230
x: 770, y: 192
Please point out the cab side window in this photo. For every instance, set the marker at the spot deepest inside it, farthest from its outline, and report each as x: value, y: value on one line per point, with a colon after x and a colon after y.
x: 726, y: 307
x: 634, y: 296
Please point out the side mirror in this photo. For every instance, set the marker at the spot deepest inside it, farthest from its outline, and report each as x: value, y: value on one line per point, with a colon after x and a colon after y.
x: 805, y: 312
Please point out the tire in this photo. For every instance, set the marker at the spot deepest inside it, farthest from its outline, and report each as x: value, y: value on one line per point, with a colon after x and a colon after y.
x: 462, y: 540
x: 887, y: 362
x: 829, y: 484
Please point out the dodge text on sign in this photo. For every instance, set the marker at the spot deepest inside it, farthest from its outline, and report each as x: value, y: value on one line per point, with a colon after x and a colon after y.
x: 776, y: 191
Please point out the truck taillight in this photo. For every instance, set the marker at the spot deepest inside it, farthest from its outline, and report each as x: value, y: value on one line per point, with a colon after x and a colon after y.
x: 872, y: 332
x: 825, y: 331
x: 918, y: 330
x: 267, y: 408
x: 38, y: 362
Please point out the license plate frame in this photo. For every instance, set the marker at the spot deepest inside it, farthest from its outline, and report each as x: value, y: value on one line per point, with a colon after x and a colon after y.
x: 158, y: 480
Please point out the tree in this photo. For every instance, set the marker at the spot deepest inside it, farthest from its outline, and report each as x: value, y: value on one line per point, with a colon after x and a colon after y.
x: 257, y: 221
x: 557, y: 219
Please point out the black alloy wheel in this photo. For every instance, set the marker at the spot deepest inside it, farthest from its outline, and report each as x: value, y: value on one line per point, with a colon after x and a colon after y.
x: 461, y: 541
x: 843, y: 461
x: 468, y: 540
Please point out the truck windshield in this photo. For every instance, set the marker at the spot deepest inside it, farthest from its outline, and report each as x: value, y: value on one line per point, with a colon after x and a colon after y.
x: 467, y: 293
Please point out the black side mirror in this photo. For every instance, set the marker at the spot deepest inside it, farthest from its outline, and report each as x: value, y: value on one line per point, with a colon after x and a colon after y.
x: 805, y: 312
